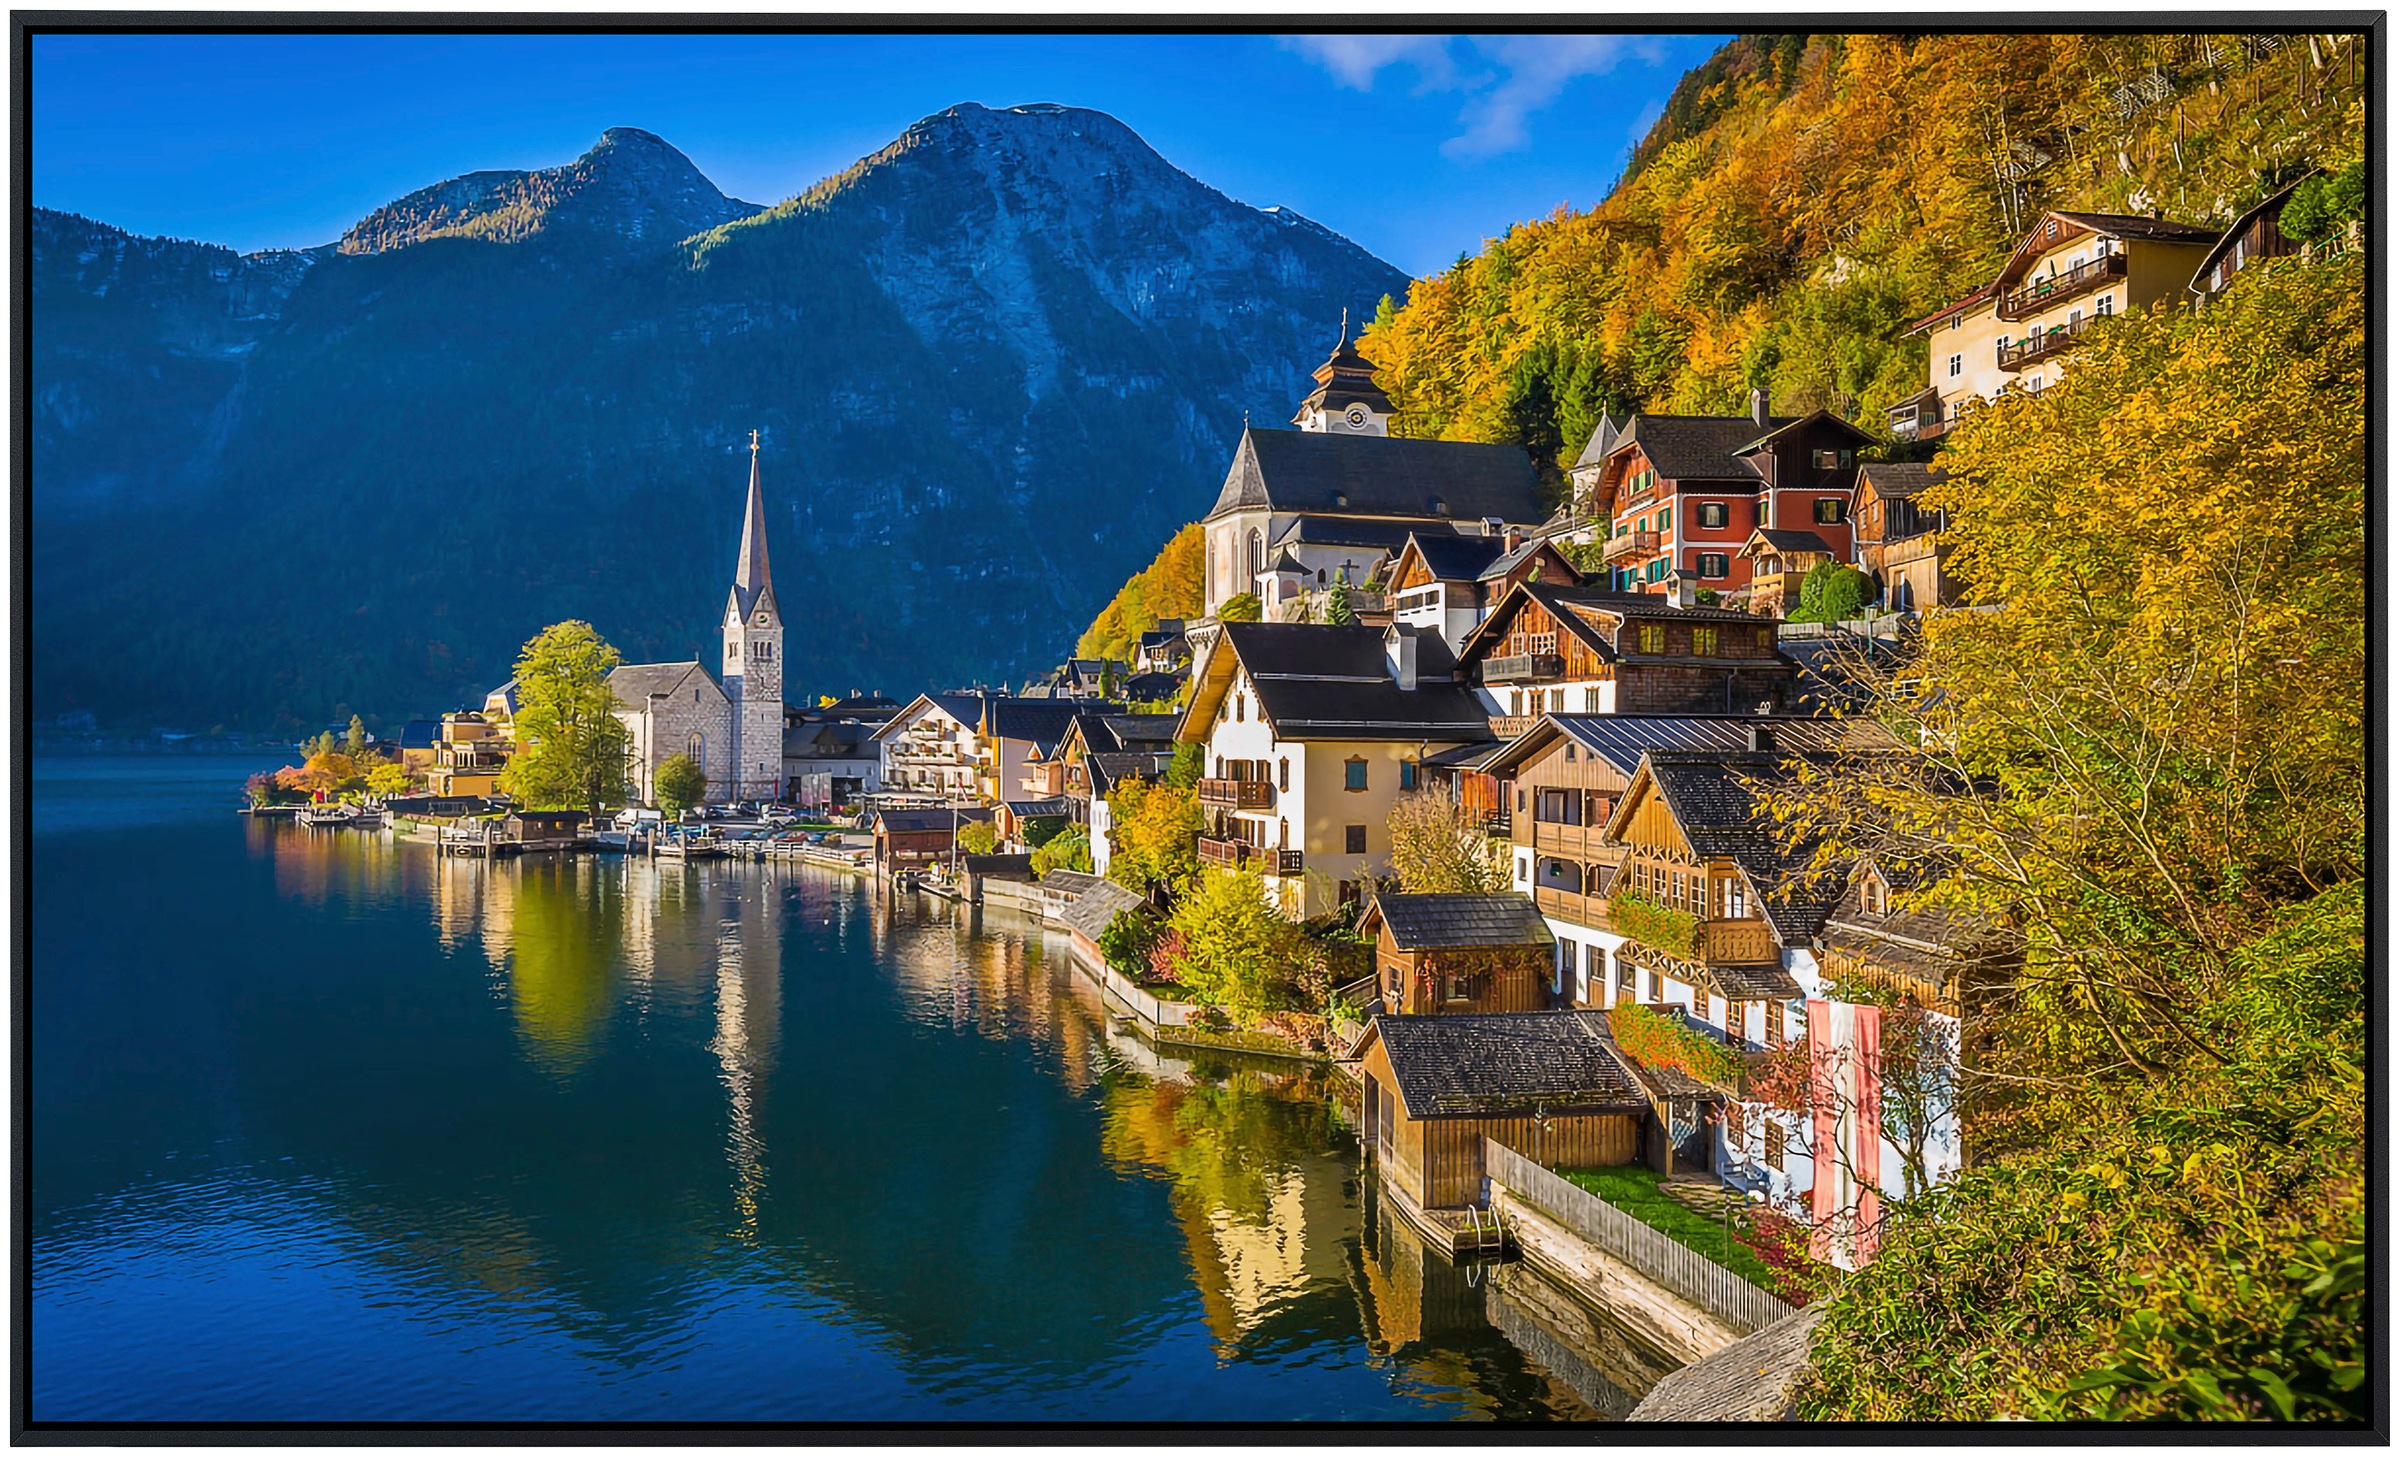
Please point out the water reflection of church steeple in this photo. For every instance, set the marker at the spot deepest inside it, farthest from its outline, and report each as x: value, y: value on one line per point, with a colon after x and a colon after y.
x: 749, y: 986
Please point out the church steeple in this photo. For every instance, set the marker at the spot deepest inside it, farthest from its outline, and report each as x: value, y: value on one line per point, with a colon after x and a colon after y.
x: 750, y: 575
x: 1346, y: 401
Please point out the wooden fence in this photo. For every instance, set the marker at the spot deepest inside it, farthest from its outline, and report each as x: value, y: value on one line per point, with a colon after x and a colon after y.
x: 1677, y: 1266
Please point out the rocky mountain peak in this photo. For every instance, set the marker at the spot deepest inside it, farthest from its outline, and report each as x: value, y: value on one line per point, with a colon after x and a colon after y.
x: 632, y: 189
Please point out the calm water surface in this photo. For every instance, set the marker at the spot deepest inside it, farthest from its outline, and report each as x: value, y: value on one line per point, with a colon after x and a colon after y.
x: 326, y: 1127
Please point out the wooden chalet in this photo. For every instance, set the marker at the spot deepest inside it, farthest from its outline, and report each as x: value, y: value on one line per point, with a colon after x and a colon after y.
x: 1548, y: 649
x: 1450, y: 581
x: 1780, y: 560
x: 1562, y: 781
x: 2255, y: 237
x: 1448, y: 954
x: 1550, y: 1085
x: 1881, y: 935
x: 1899, y: 542
x: 535, y: 829
x: 908, y: 839
x: 1713, y: 910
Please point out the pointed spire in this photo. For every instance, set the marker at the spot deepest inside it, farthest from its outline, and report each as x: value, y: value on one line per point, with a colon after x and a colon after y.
x: 1338, y: 343
x: 750, y: 572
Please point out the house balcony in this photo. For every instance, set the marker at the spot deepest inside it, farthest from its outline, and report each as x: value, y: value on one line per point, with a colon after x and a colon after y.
x: 2045, y: 293
x: 1740, y: 943
x: 1496, y: 824
x: 1280, y: 862
x: 1226, y: 854
x: 2016, y: 354
x: 1507, y: 726
x: 1237, y: 793
x: 1045, y: 781
x: 1524, y: 668
x: 1568, y: 905
x: 1631, y: 544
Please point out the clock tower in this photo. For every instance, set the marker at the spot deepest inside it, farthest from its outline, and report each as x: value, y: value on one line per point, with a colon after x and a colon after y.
x: 753, y: 670
x: 1346, y: 401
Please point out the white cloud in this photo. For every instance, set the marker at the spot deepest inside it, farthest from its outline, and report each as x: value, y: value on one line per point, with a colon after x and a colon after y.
x: 1355, y: 60
x: 1537, y: 68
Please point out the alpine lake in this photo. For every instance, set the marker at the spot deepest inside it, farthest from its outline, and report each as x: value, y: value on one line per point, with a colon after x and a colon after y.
x: 328, y: 1127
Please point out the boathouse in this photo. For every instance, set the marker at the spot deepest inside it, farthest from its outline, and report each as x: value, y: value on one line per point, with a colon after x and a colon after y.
x: 1550, y: 1085
x: 1460, y: 952
x: 912, y: 838
x: 542, y: 829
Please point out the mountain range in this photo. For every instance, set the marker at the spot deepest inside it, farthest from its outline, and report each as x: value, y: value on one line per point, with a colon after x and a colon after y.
x: 993, y: 364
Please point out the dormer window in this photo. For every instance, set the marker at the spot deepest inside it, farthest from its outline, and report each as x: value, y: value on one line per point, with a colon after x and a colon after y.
x: 1440, y: 507
x: 2050, y: 229
x: 1871, y: 896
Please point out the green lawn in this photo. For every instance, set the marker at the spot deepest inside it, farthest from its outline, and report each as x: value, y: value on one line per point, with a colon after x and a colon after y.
x: 1636, y: 1192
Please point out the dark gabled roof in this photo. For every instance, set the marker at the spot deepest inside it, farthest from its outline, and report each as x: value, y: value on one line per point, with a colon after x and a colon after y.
x: 1316, y: 681
x: 1041, y: 722
x: 1376, y: 475
x: 1623, y: 738
x: 1507, y: 1064
x: 1387, y: 536
x: 1699, y: 447
x: 909, y: 821
x: 829, y: 741
x: 1893, y: 480
x: 1712, y: 798
x: 1097, y: 906
x: 1604, y: 439
x: 1153, y: 688
x: 1105, y: 770
x: 2157, y: 230
x: 637, y: 683
x: 1560, y: 602
x: 1026, y: 809
x: 998, y: 867
x: 1776, y: 430
x: 1433, y: 922
x: 1454, y: 557
x: 2232, y: 235
x: 1509, y: 561
x: 1789, y: 541
x: 1981, y: 295
x: 1131, y: 729
x: 1286, y: 562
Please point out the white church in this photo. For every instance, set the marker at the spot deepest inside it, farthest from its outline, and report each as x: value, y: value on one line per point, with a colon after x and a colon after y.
x: 734, y: 732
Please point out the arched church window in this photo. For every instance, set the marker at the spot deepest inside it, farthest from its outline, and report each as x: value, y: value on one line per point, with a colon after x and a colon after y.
x: 1258, y: 553
x: 697, y: 748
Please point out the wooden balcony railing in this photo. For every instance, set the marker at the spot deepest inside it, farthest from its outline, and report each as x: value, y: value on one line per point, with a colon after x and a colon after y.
x: 1043, y: 781
x: 1741, y: 943
x: 1237, y: 793
x: 1524, y: 668
x: 2016, y: 354
x: 1226, y: 854
x: 1513, y: 725
x: 1632, y: 543
x: 2043, y: 293
x: 1282, y: 862
x: 1568, y: 905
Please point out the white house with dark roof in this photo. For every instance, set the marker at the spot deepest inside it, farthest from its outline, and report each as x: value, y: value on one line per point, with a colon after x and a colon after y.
x: 1311, y: 733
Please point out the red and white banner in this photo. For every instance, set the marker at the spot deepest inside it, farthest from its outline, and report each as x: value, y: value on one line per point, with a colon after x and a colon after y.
x: 1845, y: 1066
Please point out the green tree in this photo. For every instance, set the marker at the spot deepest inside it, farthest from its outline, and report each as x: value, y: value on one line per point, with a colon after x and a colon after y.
x: 1240, y: 607
x: 1069, y: 849
x: 1153, y: 834
x: 1832, y: 592
x: 386, y: 779
x: 678, y: 784
x: 1185, y: 768
x: 355, y: 744
x: 1126, y: 940
x: 978, y: 837
x: 1237, y: 952
x: 1338, y: 611
x: 570, y: 743
x: 1437, y: 846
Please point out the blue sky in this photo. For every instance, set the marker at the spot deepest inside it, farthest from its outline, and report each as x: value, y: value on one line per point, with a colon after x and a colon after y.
x: 1418, y: 147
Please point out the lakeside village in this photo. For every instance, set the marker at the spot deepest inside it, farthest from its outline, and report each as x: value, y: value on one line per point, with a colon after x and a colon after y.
x: 1469, y: 796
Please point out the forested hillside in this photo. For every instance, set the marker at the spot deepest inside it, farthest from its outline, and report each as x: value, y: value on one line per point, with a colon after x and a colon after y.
x: 1805, y: 197
x: 1171, y: 586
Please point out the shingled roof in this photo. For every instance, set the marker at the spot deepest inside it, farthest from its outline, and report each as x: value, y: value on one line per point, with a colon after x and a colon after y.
x: 1753, y: 1380
x: 1605, y: 436
x: 1375, y: 475
x: 1894, y: 480
x: 1507, y: 1063
x: 636, y: 683
x: 1438, y: 921
x: 1712, y: 798
x: 1699, y: 447
x: 1316, y: 681
x: 1789, y: 542
x: 1452, y: 557
x: 1097, y: 906
x: 1623, y: 738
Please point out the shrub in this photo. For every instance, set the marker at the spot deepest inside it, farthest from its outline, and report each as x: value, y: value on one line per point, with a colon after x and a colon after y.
x: 1127, y: 939
x: 1653, y: 1040
x: 1636, y: 916
x: 1070, y: 849
x: 980, y: 838
x: 1240, y: 607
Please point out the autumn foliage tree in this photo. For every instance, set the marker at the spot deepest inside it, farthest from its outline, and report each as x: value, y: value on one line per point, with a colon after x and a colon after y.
x: 570, y: 744
x: 1439, y: 846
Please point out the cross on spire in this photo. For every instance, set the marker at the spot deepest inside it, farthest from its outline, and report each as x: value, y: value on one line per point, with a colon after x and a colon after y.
x: 1338, y: 343
x: 754, y: 442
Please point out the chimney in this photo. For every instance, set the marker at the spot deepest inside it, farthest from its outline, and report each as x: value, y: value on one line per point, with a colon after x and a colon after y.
x: 1513, y: 539
x: 1762, y: 739
x: 1758, y: 408
x: 1400, y: 657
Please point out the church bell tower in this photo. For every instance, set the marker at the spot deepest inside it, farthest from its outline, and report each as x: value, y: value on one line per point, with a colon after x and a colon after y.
x: 753, y: 670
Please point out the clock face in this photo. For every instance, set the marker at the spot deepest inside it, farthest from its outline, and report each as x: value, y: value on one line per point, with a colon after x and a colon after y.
x: 762, y: 619
x: 1358, y: 415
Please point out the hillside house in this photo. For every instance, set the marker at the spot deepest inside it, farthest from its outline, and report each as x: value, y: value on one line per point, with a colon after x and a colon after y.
x: 1680, y: 494
x: 1310, y: 733
x: 2069, y: 272
x: 1449, y: 954
x: 1551, y: 649
x: 1450, y: 581
x: 1899, y: 542
x: 1779, y: 561
x: 2255, y: 237
x: 1563, y: 780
